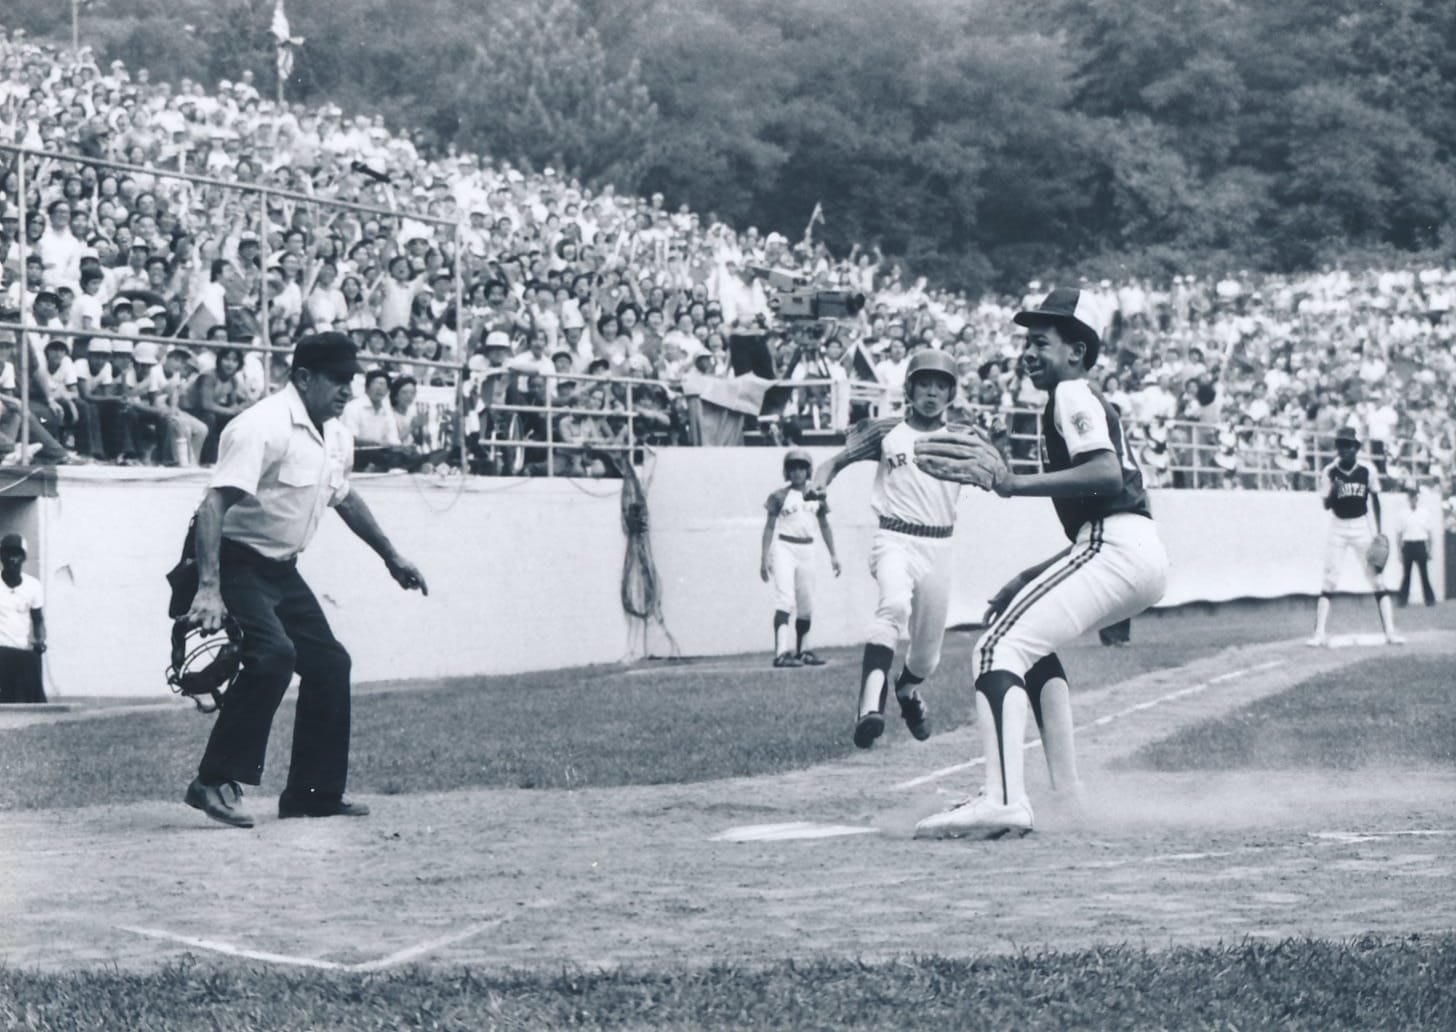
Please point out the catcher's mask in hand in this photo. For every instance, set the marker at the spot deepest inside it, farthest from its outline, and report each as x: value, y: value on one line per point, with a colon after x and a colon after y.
x: 204, y: 666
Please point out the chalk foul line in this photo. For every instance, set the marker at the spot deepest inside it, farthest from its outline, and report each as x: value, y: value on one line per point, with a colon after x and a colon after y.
x: 403, y: 956
x: 1181, y: 693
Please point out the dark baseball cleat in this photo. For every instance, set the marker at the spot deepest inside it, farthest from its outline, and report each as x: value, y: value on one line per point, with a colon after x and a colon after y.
x: 293, y: 806
x: 809, y: 659
x: 787, y: 659
x: 915, y: 714
x: 222, y: 802
x: 869, y: 727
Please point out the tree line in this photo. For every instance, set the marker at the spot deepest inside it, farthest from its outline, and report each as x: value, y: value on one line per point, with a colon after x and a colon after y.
x: 982, y: 142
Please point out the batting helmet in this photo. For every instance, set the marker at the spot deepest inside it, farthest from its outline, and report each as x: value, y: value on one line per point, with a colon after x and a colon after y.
x: 931, y: 360
x: 797, y: 456
x: 205, y: 664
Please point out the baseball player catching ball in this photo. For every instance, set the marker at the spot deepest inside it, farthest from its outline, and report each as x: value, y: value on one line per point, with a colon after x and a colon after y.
x: 1351, y: 492
x: 1115, y: 567
x: 910, y: 556
x: 787, y: 559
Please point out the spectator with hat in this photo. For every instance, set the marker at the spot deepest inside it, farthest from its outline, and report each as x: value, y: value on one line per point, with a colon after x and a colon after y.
x: 280, y: 465
x: 22, y: 626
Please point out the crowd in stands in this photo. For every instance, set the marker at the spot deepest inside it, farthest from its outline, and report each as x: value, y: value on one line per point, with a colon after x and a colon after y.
x: 1230, y: 381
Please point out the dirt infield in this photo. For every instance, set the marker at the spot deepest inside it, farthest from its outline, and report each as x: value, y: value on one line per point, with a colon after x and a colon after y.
x: 644, y: 876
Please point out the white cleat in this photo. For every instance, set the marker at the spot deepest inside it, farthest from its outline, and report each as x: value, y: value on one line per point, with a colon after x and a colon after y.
x: 1319, y: 641
x: 978, y: 817
x: 1395, y: 639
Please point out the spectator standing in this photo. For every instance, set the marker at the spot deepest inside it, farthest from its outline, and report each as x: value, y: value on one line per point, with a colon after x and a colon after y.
x: 22, y: 626
x: 1413, y: 533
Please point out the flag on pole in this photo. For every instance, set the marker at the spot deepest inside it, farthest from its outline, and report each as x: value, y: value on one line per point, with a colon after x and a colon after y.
x: 817, y: 215
x: 286, y: 41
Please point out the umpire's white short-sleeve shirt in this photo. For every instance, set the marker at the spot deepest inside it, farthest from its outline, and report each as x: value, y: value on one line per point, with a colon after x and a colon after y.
x: 288, y: 471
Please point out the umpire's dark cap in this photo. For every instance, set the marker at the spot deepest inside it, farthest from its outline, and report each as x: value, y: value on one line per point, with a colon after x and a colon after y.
x: 12, y: 543
x: 330, y: 352
x: 1070, y: 310
x: 1346, y: 435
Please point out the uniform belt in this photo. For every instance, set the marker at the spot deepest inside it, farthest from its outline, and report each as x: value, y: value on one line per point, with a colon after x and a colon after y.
x: 914, y: 529
x: 239, y: 552
x: 794, y: 539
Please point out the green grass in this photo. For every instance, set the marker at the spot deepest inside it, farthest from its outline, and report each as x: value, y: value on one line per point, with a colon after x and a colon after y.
x: 1293, y: 985
x: 567, y: 729
x: 1395, y: 710
x: 583, y: 728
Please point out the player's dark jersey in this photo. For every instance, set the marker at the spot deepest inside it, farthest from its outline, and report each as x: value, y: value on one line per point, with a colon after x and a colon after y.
x: 1077, y: 421
x: 1351, y: 488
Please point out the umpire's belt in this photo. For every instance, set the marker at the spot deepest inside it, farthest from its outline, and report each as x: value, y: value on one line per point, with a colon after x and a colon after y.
x: 914, y: 529
x: 237, y: 552
x: 794, y: 539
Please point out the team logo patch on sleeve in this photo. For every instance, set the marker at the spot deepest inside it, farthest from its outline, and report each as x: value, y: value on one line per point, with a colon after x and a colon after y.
x: 1082, y: 423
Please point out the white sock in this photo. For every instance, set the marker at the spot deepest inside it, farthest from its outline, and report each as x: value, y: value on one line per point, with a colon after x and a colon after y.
x: 869, y: 693
x: 781, y: 640
x: 1006, y: 751
x: 1056, y: 733
x: 1387, y: 616
x: 1321, y: 616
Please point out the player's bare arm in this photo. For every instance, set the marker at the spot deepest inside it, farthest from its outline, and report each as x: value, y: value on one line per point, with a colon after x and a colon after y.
x: 1093, y: 475
x: 207, y: 611
x: 357, y: 517
x: 998, y: 602
x: 829, y: 541
x: 764, y: 567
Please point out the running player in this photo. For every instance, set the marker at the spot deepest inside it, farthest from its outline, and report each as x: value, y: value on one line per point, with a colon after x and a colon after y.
x: 787, y: 558
x: 1351, y: 493
x: 1115, y: 568
x: 910, y: 557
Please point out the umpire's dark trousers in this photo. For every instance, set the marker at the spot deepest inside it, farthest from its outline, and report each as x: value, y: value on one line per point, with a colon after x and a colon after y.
x: 1417, y: 554
x: 284, y: 631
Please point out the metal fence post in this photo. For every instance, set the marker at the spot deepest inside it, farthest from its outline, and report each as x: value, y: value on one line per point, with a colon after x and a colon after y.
x: 24, y: 356
x: 263, y: 288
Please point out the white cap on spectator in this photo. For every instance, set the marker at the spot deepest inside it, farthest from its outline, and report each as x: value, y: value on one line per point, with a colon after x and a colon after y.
x: 498, y: 339
x: 144, y: 353
x: 99, y: 346
x: 122, y: 347
x: 572, y: 319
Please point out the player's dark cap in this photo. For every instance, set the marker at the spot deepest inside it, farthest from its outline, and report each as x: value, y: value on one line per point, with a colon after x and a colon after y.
x: 1346, y: 435
x: 1072, y: 311
x: 12, y: 544
x: 330, y: 352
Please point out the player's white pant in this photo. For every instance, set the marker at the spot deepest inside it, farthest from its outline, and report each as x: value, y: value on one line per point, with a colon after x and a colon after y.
x: 1352, y: 535
x: 1116, y: 569
x: 791, y: 567
x: 914, y: 577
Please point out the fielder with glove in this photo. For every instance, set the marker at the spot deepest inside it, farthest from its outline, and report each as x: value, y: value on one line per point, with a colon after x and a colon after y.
x: 1114, y: 569
x: 1350, y: 491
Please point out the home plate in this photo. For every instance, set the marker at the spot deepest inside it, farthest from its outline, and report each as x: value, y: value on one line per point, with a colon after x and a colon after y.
x: 786, y: 832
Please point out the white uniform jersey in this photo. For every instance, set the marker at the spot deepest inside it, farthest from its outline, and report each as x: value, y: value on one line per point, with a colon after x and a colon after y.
x: 901, y: 490
x: 796, y: 518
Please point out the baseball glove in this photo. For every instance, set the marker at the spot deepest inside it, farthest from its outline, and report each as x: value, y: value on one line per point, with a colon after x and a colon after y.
x: 1378, y: 554
x: 961, y: 455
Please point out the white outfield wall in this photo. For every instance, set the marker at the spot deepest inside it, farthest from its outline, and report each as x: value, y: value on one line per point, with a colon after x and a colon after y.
x: 526, y: 574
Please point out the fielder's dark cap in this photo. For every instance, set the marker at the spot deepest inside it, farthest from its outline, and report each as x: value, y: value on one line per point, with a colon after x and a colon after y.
x: 1347, y: 435
x: 330, y: 352
x: 13, y: 543
x: 1071, y: 310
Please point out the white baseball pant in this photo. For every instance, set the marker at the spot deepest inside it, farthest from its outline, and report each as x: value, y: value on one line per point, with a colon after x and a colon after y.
x: 914, y: 578
x: 791, y: 569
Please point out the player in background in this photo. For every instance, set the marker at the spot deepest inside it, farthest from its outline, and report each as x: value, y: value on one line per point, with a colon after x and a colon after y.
x: 1350, y: 490
x: 910, y: 556
x: 1115, y: 567
x: 787, y: 559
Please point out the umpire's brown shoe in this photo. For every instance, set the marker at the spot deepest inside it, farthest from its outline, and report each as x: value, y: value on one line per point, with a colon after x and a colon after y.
x: 222, y: 802
x: 290, y: 805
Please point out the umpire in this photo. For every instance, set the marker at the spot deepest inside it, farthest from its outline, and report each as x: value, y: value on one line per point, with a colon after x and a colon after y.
x: 280, y: 464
